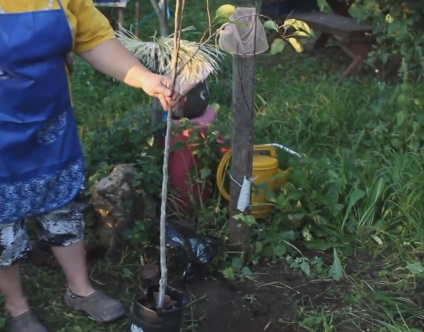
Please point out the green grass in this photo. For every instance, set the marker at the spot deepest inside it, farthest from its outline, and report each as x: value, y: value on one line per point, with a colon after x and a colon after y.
x: 358, y: 187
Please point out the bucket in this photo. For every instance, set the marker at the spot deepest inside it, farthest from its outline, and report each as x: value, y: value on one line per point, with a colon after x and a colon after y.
x: 264, y: 175
x: 144, y: 319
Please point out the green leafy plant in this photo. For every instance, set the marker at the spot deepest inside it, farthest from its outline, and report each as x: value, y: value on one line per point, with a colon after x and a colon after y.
x: 236, y: 270
x: 399, y: 33
x: 288, y: 32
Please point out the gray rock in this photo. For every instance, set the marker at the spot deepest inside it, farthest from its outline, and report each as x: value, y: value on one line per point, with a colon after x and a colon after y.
x: 117, y: 205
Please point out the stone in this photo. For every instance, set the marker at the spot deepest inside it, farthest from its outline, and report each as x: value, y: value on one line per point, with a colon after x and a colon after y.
x: 117, y: 205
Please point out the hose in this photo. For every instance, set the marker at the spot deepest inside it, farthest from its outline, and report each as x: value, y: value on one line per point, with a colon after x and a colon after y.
x: 220, y: 174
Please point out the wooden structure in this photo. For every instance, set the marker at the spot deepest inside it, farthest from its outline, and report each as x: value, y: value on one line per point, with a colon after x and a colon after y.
x: 356, y: 38
x: 119, y: 5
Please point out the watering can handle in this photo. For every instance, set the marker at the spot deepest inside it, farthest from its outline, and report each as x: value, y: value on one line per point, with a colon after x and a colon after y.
x: 268, y: 148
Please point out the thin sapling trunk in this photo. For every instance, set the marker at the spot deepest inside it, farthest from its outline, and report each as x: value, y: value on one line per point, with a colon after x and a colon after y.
x: 163, y: 266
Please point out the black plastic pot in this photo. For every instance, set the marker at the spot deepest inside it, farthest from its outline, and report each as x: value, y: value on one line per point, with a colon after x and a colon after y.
x: 144, y: 318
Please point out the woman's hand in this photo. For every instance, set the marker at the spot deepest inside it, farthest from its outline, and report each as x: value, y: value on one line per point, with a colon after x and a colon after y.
x: 112, y: 59
x: 160, y: 87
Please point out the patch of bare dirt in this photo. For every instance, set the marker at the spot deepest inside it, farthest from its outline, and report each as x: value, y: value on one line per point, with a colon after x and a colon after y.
x: 268, y: 302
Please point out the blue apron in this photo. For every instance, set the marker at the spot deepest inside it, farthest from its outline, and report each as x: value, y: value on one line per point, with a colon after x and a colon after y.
x: 41, y: 164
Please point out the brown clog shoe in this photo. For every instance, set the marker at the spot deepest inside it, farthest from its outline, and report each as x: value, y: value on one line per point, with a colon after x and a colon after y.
x: 98, y: 306
x: 26, y: 322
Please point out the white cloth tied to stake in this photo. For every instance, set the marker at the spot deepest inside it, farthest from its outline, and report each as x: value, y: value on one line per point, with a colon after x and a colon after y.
x: 247, y: 36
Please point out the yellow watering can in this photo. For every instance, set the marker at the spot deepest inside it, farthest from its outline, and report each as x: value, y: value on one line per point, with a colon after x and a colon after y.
x: 264, y: 170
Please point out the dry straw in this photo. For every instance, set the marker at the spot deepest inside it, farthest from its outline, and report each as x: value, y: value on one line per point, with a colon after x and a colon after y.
x: 196, y: 60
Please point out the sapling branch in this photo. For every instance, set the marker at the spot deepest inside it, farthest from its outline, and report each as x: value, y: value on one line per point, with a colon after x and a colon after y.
x: 208, y: 11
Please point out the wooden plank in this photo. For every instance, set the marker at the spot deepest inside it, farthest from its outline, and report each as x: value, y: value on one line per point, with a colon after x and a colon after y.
x: 358, y: 39
x: 334, y: 24
x: 116, y: 4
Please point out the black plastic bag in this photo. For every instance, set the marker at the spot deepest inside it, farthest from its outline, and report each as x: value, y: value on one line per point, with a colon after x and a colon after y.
x: 198, y: 249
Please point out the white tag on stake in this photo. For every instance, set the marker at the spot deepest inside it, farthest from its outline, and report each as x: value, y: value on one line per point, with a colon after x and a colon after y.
x: 244, y: 197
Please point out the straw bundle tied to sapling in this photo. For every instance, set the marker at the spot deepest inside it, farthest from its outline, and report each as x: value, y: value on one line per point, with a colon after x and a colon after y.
x: 196, y: 61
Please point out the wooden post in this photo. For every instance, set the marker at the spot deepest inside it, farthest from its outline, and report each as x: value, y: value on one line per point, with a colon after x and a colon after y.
x: 163, y: 20
x: 120, y: 18
x: 242, y: 145
x: 137, y: 19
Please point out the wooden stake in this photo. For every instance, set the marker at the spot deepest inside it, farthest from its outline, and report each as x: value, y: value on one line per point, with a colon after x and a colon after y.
x: 120, y: 18
x: 137, y: 19
x: 242, y: 131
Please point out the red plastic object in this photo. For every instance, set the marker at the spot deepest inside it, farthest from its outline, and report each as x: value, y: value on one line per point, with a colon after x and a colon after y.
x: 182, y: 161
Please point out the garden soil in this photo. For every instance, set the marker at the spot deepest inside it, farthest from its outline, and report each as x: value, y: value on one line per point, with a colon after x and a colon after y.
x: 273, y: 298
x: 271, y: 301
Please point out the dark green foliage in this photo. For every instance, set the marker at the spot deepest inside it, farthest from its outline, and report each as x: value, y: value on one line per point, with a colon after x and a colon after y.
x: 399, y: 32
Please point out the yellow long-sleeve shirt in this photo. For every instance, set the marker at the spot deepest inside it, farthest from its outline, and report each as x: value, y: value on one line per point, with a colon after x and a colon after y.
x: 89, y: 26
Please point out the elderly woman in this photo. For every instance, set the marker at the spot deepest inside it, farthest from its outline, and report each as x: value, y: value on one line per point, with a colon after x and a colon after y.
x: 41, y: 165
